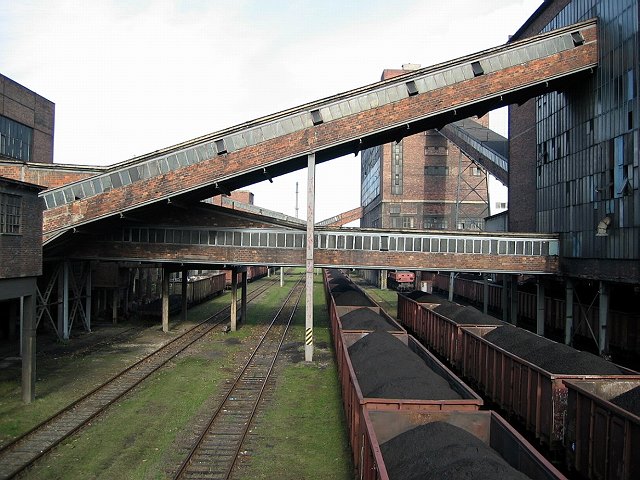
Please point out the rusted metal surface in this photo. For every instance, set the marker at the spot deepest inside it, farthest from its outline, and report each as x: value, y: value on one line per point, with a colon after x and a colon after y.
x: 355, y: 403
x: 602, y: 440
x: 536, y: 397
x: 488, y: 426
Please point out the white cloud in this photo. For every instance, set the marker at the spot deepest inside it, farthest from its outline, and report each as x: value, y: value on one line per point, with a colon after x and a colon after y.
x: 128, y: 78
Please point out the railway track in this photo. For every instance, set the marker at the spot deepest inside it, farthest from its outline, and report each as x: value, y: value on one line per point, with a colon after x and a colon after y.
x: 26, y: 449
x: 216, y: 450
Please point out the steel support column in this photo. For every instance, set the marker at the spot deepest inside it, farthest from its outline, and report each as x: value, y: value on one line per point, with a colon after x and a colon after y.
x: 234, y: 300
x: 603, y: 317
x: 63, y: 301
x: 513, y: 296
x: 485, y: 295
x: 115, y: 299
x: 311, y: 192
x: 28, y: 322
x: 540, y: 308
x: 165, y: 299
x: 87, y: 300
x: 185, y: 277
x: 243, y: 302
x: 568, y: 325
x: 452, y: 279
x: 505, y: 298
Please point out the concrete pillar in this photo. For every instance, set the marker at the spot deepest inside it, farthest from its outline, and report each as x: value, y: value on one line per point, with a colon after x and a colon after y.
x: 603, y: 319
x: 540, y: 308
x: 185, y: 277
x: 234, y: 300
x: 87, y: 300
x: 268, y: 272
x: 568, y: 325
x: 451, y: 285
x: 311, y: 201
x: 485, y: 295
x: 383, y: 279
x: 165, y: 299
x: 281, y: 276
x: 243, y: 303
x: 505, y: 298
x: 513, y: 295
x: 417, y: 279
x: 28, y: 323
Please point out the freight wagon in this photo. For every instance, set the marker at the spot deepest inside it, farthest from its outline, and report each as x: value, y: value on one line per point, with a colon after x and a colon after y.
x: 472, y: 437
x: 253, y: 273
x: 199, y: 289
x: 401, y: 281
x: 536, y: 382
x: 623, y: 329
x: 378, y: 372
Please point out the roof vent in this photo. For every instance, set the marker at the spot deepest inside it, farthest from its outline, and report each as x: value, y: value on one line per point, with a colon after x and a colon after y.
x: 577, y: 38
x: 316, y: 118
x: 477, y: 69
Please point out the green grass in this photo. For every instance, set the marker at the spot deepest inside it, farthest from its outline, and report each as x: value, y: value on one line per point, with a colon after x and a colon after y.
x: 66, y: 377
x: 302, y: 433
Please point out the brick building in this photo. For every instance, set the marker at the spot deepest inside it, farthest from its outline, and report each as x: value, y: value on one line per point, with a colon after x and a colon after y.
x: 424, y: 181
x: 20, y: 265
x: 26, y: 124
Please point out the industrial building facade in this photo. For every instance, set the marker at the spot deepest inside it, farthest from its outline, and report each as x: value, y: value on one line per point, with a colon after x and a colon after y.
x: 422, y: 181
x: 584, y: 155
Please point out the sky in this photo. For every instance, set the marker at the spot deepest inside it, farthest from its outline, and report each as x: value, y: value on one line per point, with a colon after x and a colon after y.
x: 132, y: 76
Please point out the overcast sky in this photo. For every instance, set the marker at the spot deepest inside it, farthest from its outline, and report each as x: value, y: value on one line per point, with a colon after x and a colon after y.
x: 129, y: 77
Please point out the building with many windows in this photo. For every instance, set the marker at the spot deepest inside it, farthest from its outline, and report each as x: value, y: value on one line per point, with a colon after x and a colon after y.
x: 577, y: 172
x: 26, y: 124
x: 423, y: 181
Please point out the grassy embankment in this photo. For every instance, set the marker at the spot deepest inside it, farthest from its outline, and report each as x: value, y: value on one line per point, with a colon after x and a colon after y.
x: 140, y: 436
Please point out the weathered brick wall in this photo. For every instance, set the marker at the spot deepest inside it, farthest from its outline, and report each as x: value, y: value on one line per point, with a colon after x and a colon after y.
x: 24, y: 106
x: 49, y: 176
x: 21, y: 255
x: 320, y: 137
x: 215, y: 255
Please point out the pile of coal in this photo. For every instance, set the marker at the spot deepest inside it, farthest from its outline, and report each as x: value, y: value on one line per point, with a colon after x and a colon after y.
x: 365, y: 319
x: 629, y: 400
x: 551, y: 356
x: 441, y: 451
x: 352, y: 298
x: 387, y: 368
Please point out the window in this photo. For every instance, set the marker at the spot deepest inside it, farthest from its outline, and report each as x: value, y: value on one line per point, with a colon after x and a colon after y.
x: 436, y: 170
x: 10, y: 213
x: 394, y: 209
x: 435, y: 222
x: 476, y: 171
x: 396, y: 168
x: 16, y: 139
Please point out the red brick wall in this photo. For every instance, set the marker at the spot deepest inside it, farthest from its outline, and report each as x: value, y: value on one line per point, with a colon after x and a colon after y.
x: 21, y: 255
x: 48, y: 176
x: 275, y: 256
x: 24, y: 106
x: 320, y: 137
